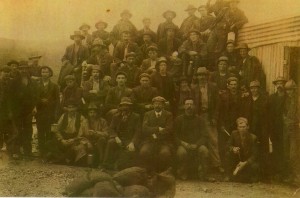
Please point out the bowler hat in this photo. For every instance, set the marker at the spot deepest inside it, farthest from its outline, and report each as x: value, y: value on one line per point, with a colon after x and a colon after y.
x: 279, y: 78
x: 69, y: 77
x: 46, y: 67
x: 202, y: 70
x: 143, y: 75
x: 126, y: 12
x: 254, y: 83
x: 99, y: 22
x: 243, y: 46
x: 169, y: 12
x: 77, y: 33
x: 190, y: 7
x: 290, y: 85
x: 159, y: 99
x: 126, y: 101
x: 84, y: 25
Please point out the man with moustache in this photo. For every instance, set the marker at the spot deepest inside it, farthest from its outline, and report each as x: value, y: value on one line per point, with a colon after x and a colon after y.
x: 189, y: 22
x: 157, y: 137
x: 205, y: 95
x: 191, y: 139
x: 142, y: 95
x: 161, y: 30
x: 169, y: 43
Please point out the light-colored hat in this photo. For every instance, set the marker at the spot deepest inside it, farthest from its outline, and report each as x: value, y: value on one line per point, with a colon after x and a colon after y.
x: 243, y: 46
x: 279, y: 78
x: 159, y: 99
x: 254, y: 83
x: 241, y: 120
x: 126, y: 101
x: 202, y: 70
x: 232, y: 78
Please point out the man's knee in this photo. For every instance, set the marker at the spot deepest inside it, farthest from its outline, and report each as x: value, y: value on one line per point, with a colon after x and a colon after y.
x: 203, y: 151
x: 181, y: 153
x: 165, y: 152
x: 145, y: 150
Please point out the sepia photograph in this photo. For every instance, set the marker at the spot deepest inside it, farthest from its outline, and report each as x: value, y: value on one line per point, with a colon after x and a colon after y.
x: 150, y: 98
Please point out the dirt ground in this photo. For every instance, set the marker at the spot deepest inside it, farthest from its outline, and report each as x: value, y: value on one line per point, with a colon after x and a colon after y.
x: 35, y: 178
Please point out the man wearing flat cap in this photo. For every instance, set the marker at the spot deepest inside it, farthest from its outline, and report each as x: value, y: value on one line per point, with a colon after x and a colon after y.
x: 74, y: 55
x: 123, y: 24
x: 161, y: 30
x: 221, y: 75
x: 250, y: 67
x: 276, y: 107
x: 157, y: 137
x: 169, y: 43
x: 131, y: 69
x: 96, y: 88
x: 205, y: 23
x: 33, y: 66
x: 116, y: 93
x: 205, y: 95
x: 242, y: 151
x: 101, y: 33
x: 148, y: 65
x: 124, y: 136
x: 142, y: 95
x: 291, y: 136
x: 125, y: 46
x: 100, y: 56
x: 146, y: 28
x: 189, y: 22
x: 87, y: 41
x: 254, y: 108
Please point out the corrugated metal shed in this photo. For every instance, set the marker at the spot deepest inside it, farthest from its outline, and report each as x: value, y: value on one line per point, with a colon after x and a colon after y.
x: 269, y: 41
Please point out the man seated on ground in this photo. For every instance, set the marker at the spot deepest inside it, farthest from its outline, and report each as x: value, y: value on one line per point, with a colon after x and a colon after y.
x: 70, y: 143
x: 158, y: 142
x: 96, y: 132
x: 124, y: 134
x: 191, y: 137
x: 241, y: 158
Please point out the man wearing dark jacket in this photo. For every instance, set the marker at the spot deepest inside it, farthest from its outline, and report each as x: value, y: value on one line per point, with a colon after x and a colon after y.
x: 191, y: 139
x: 169, y: 43
x: 157, y: 137
x: 189, y: 22
x: 162, y: 28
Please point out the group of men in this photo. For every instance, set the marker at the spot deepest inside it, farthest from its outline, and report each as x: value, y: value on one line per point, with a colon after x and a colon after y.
x: 183, y: 97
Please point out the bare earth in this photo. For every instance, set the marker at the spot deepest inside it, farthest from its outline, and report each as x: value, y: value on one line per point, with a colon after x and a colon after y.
x: 34, y: 178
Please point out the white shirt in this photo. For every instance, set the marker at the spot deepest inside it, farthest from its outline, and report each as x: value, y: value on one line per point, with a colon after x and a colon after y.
x: 95, y: 85
x: 204, y: 96
x: 158, y: 114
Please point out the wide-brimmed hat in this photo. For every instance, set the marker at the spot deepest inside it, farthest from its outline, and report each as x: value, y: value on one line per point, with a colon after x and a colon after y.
x: 84, y: 25
x: 77, y: 33
x: 243, y: 46
x: 126, y: 101
x: 279, y: 78
x: 190, y: 7
x: 254, y: 83
x: 290, y: 85
x: 202, y: 70
x: 169, y: 12
x: 99, y: 22
x: 46, y: 67
x: 126, y: 12
x: 159, y: 99
x: 34, y: 55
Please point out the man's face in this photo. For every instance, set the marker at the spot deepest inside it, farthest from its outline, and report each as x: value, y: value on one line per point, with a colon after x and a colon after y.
x: 95, y: 50
x: 243, y: 52
x: 203, y: 12
x: 145, y: 82
x: 126, y: 16
x: 130, y: 60
x: 121, y: 79
x: 85, y: 30
x: 194, y: 36
x: 232, y: 85
x: 45, y: 73
x: 169, y: 16
x: 230, y: 47
x: 222, y: 65
x: 170, y: 33
x: 126, y: 36
x: 77, y: 39
x: 147, y: 38
x: 152, y: 54
x: 191, y: 12
x: 92, y: 113
x: 290, y: 92
x: 233, y: 5
x: 70, y: 83
x: 71, y: 109
x: 124, y: 108
x: 95, y: 73
x: 202, y: 78
x: 163, y: 67
x: 101, y: 26
x: 184, y: 85
x: 280, y: 85
x: 158, y: 106
x: 189, y: 107
x: 4, y: 74
x: 254, y: 91
x: 147, y: 23
x: 242, y: 127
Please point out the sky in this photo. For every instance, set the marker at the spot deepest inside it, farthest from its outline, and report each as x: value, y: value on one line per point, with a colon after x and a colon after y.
x: 57, y: 19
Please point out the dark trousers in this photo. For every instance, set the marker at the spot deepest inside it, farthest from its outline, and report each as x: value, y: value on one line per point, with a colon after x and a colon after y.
x: 43, y: 124
x: 10, y: 132
x: 25, y: 134
x: 156, y: 156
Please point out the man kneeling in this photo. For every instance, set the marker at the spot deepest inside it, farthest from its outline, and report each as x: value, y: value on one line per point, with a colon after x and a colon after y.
x: 241, y: 158
x: 191, y: 137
